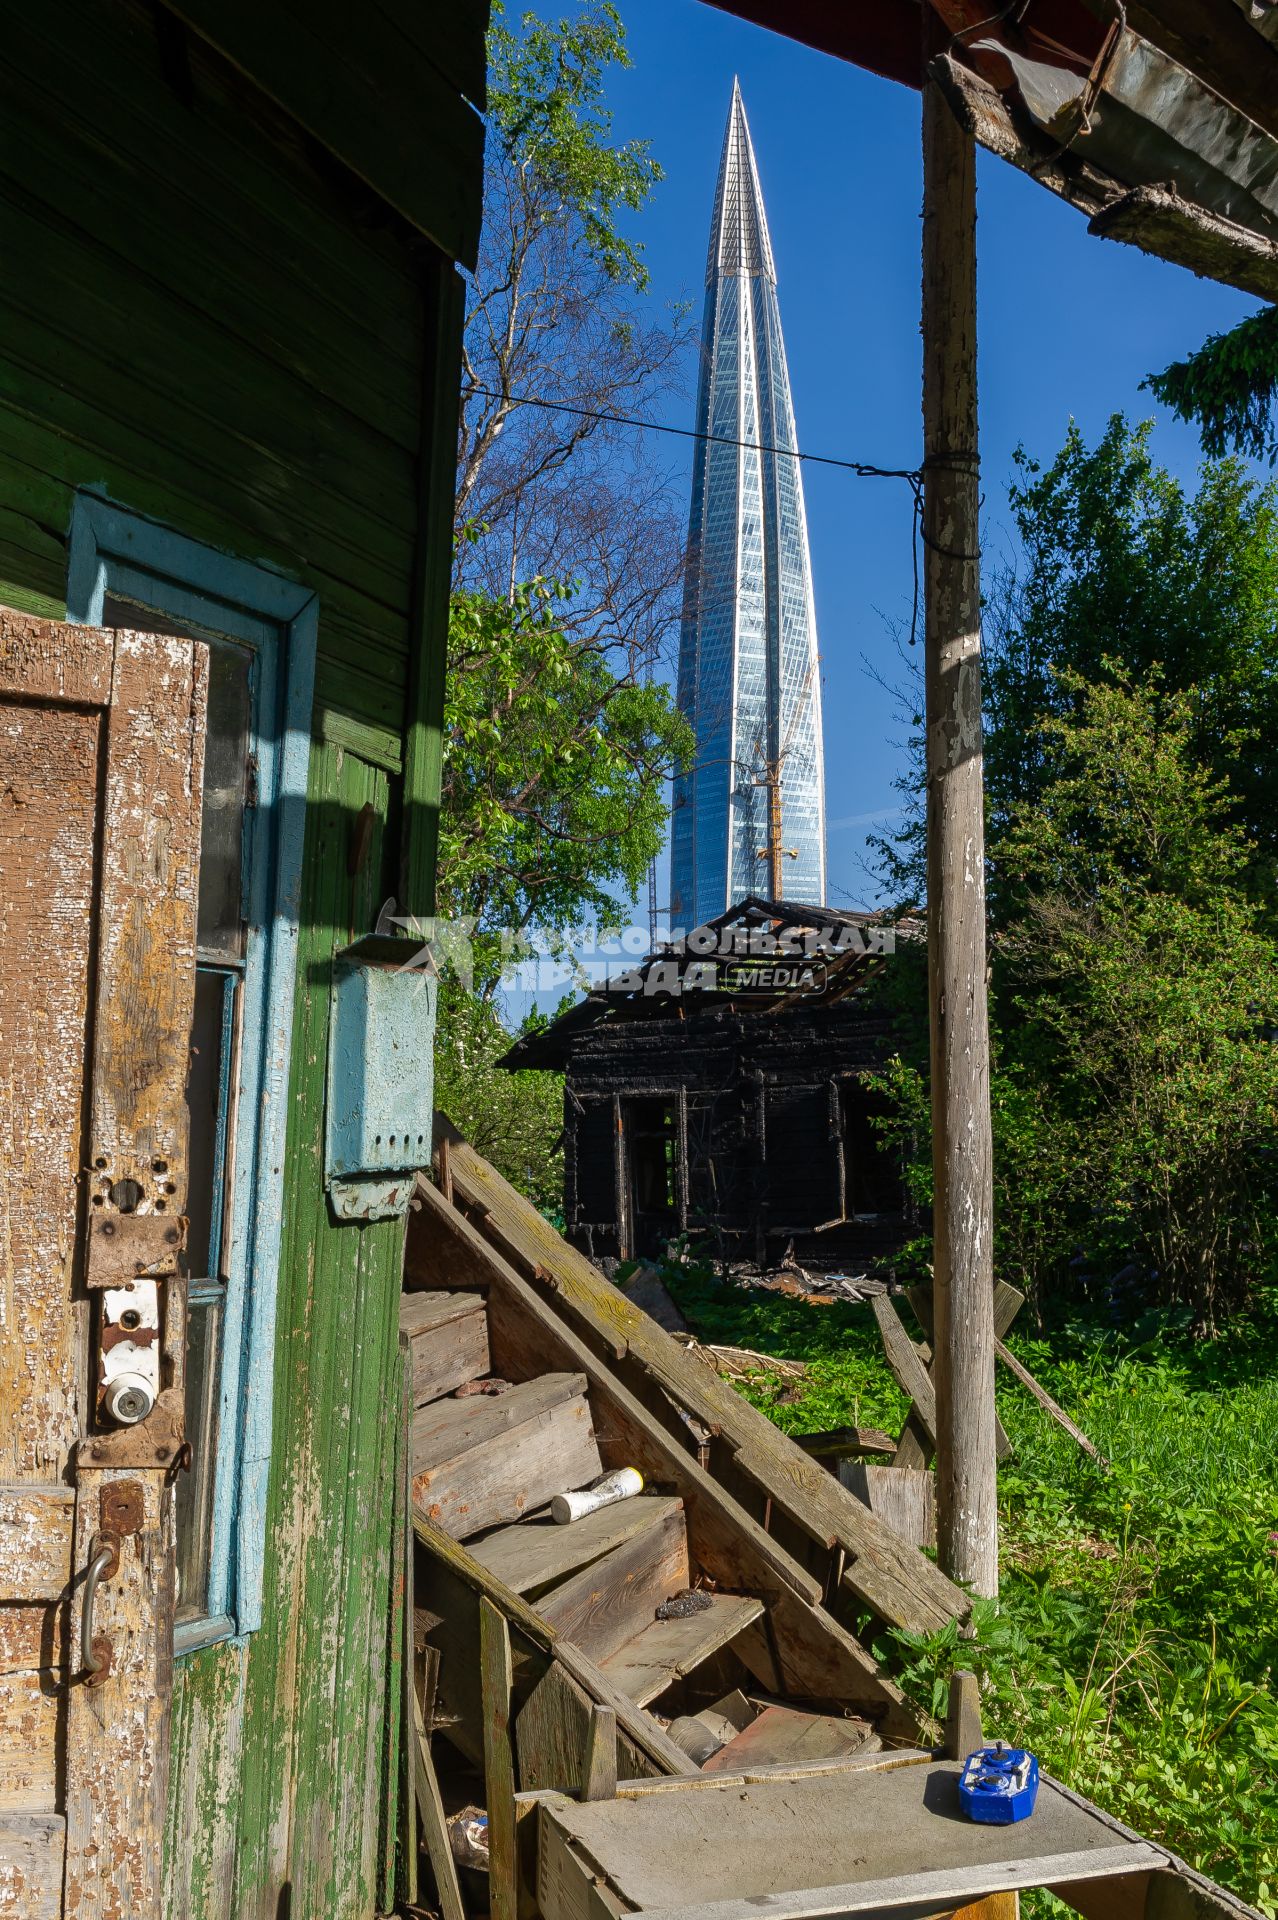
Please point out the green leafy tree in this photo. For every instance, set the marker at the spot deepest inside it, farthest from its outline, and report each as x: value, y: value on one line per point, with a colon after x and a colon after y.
x: 1131, y: 706
x: 1120, y: 569
x: 554, y: 772
x: 1136, y: 1087
x: 1124, y: 572
x: 1134, y: 1077
x: 1229, y: 388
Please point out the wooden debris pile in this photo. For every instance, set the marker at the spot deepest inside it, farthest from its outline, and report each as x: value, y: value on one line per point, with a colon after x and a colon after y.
x: 702, y: 1636
x: 727, y: 1593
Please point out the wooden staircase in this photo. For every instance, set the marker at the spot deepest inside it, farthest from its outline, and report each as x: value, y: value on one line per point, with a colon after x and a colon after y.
x: 621, y: 1585
x: 709, y: 1630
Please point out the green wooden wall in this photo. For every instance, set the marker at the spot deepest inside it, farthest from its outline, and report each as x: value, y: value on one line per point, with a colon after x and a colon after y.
x: 208, y: 319
x: 278, y: 1793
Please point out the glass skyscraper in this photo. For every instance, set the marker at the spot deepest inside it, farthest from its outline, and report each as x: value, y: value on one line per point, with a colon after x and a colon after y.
x: 749, y: 680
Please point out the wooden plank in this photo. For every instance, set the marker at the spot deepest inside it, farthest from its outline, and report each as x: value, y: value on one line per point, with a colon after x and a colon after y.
x: 536, y: 1554
x: 50, y: 765
x: 963, y: 1716
x: 812, y: 1841
x: 454, y: 1560
x: 35, y: 1542
x: 32, y: 1851
x: 916, y: 1894
x: 1156, y: 219
x: 906, y: 1363
x: 903, y: 1496
x: 497, y: 1686
x: 837, y: 1442
x: 667, y: 1650
x: 428, y: 1310
x: 915, y: 1448
x: 38, y: 1635
x: 820, y: 1659
x: 1008, y: 1301
x: 31, y: 1745
x: 430, y: 1806
x: 432, y: 573
x: 117, y: 1734
x: 552, y: 1735
x: 450, y: 1429
x: 487, y: 1461
x: 1046, y: 1401
x: 599, y: 1768
x: 54, y: 661
x: 352, y: 91
x: 449, y: 1339
x: 144, y: 996
x: 782, y: 1735
x: 880, y: 1760
x: 901, y: 1586
x: 609, y: 1602
x: 404, y: 1545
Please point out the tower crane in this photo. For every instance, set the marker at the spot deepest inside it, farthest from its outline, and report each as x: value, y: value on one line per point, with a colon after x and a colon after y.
x: 770, y: 778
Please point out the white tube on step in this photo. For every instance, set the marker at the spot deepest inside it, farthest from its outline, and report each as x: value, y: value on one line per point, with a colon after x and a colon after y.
x: 622, y: 1485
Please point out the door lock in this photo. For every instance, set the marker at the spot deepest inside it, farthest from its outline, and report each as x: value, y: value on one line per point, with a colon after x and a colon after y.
x: 130, y: 1351
x: 121, y: 1512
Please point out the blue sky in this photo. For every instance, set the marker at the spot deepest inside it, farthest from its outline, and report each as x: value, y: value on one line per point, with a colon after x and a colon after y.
x: 1068, y: 326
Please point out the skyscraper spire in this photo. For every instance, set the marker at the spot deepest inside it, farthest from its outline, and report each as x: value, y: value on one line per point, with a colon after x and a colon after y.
x: 750, y: 817
x: 739, y: 239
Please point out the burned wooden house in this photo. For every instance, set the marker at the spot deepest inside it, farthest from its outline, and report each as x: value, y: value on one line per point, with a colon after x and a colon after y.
x: 724, y: 1090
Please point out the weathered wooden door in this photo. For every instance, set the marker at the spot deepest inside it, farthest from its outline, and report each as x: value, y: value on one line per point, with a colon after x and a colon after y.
x: 101, y: 749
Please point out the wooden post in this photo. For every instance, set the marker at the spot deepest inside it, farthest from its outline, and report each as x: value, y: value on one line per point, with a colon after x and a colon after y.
x: 599, y: 1768
x: 496, y: 1686
x: 963, y: 1372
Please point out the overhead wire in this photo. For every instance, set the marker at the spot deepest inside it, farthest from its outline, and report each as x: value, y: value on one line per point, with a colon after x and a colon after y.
x: 962, y: 462
x: 863, y: 468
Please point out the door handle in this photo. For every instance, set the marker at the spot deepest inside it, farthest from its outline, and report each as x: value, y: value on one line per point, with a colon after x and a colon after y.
x: 95, y: 1651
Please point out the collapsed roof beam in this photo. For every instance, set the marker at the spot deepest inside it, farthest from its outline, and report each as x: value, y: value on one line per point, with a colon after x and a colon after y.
x: 1155, y: 218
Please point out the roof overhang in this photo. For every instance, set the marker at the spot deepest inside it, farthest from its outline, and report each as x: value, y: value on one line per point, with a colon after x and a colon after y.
x: 1158, y: 121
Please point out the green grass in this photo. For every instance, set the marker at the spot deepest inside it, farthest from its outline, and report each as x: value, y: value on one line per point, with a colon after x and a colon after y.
x: 1135, y: 1645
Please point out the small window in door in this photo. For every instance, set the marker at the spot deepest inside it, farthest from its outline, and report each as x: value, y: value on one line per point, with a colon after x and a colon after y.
x: 652, y: 1135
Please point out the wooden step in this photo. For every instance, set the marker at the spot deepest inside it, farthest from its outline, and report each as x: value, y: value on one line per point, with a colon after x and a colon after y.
x: 484, y: 1460
x: 536, y: 1554
x: 608, y: 1603
x: 783, y: 1736
x: 448, y: 1334
x: 666, y: 1650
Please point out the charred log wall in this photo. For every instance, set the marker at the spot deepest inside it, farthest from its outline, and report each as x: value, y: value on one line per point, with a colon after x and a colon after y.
x: 768, y: 1113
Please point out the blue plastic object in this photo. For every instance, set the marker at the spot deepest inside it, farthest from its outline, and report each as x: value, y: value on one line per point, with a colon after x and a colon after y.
x: 998, y: 1785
